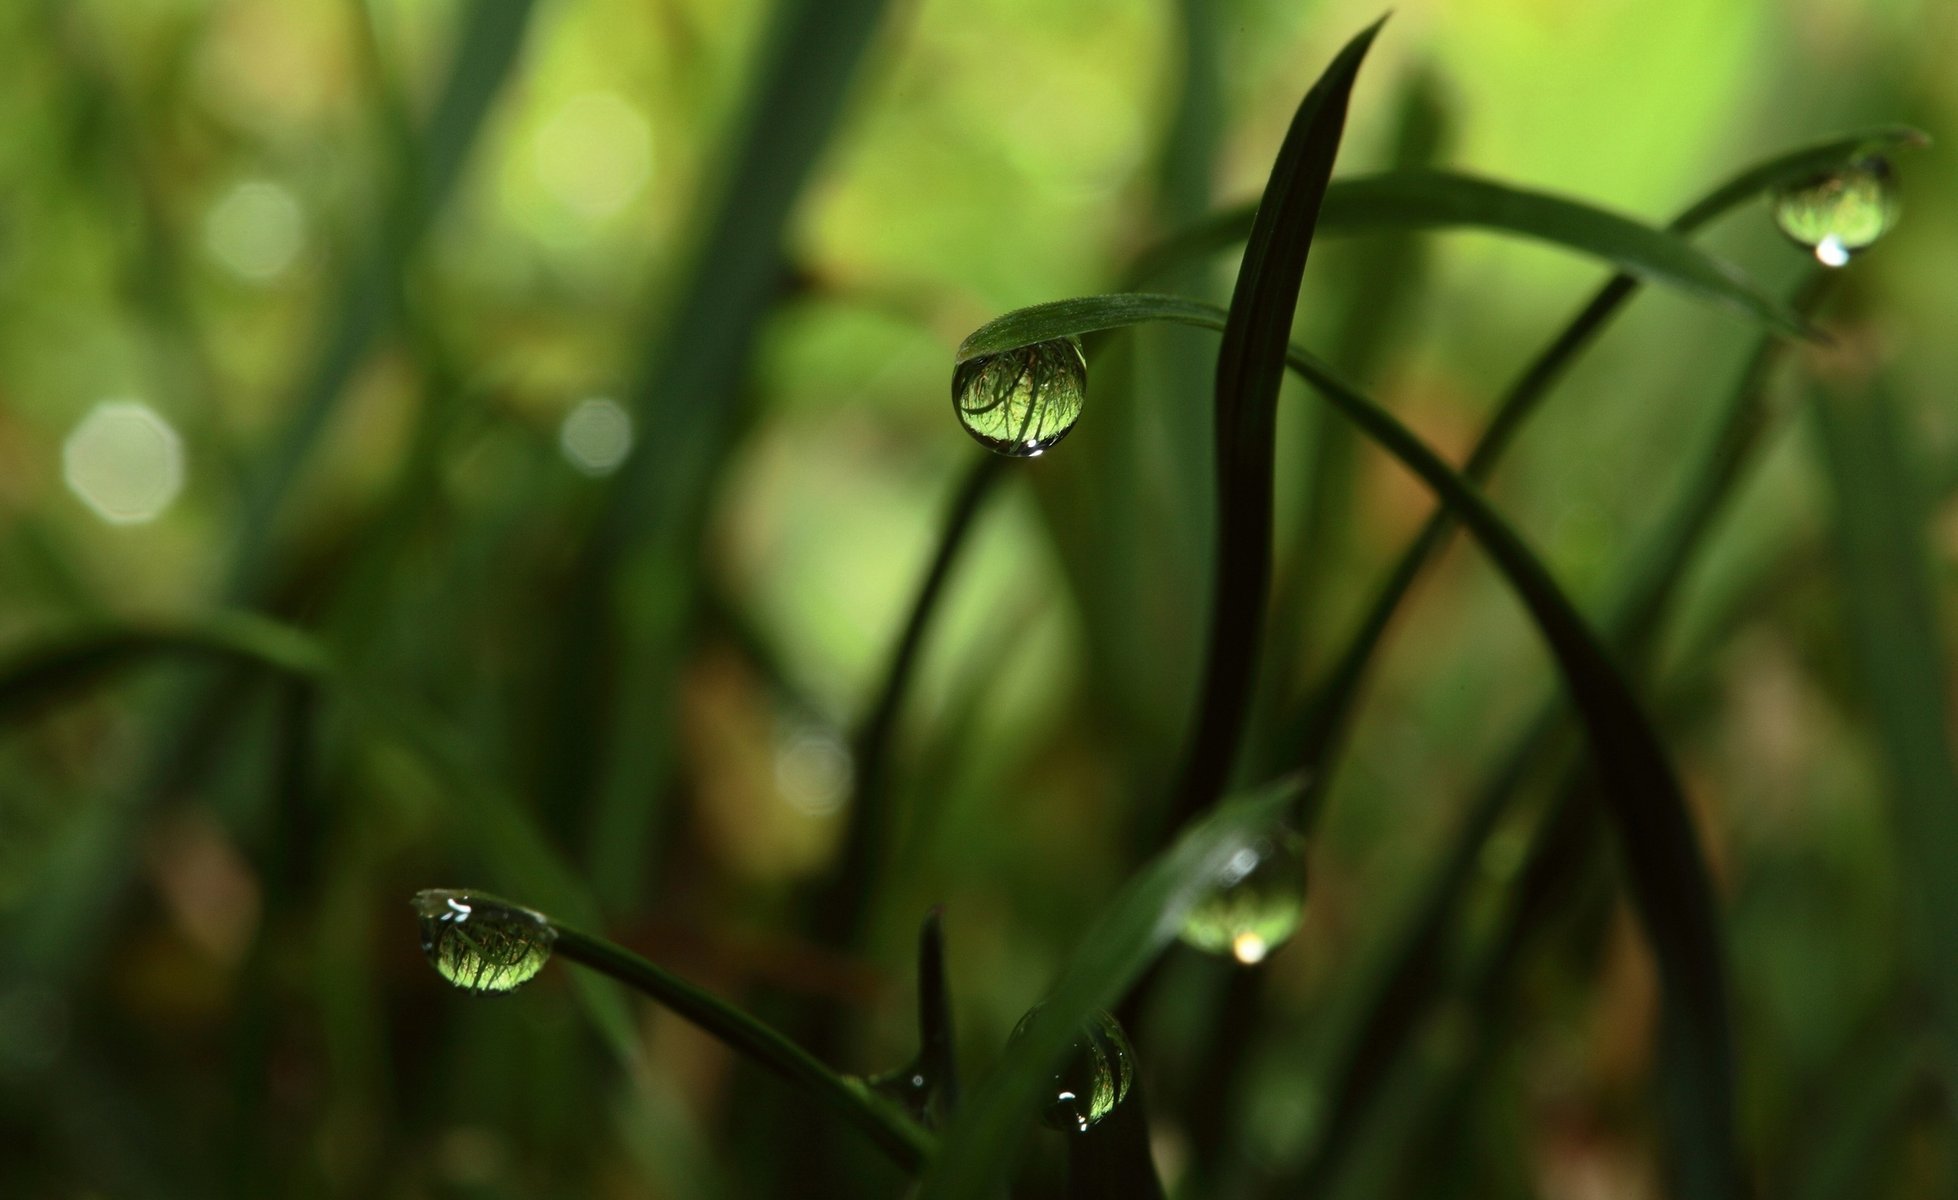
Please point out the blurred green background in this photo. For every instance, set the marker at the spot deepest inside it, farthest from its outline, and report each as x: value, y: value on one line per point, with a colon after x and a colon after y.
x: 454, y: 334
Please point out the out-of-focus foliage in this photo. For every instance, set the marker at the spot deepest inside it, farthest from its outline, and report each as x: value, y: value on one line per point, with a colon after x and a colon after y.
x: 352, y: 313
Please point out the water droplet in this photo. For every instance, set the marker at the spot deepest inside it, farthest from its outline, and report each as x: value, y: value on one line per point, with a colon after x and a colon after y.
x: 1095, y: 1076
x: 907, y: 1087
x: 1020, y: 402
x: 482, y: 944
x: 1837, y: 213
x: 1256, y: 903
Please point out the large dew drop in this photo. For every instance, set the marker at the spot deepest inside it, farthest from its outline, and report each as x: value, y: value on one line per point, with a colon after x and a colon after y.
x: 1256, y: 903
x: 1020, y: 402
x: 1837, y: 213
x: 482, y: 944
x: 1095, y: 1076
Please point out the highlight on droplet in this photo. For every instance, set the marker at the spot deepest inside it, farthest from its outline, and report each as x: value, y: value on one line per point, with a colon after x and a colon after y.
x: 256, y: 231
x: 124, y: 461
x: 596, y: 435
x: 594, y: 154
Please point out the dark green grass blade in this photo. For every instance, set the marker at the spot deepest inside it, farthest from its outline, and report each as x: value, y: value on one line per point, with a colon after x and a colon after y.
x: 1322, y: 721
x: 979, y: 1146
x: 937, y: 1048
x: 906, y: 1144
x: 1406, y: 987
x: 1250, y: 370
x: 1665, y: 869
x: 1880, y: 532
x: 852, y: 885
x: 1430, y: 199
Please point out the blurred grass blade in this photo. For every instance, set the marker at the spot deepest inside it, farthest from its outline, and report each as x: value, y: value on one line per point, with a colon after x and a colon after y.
x: 905, y: 1143
x: 851, y: 887
x: 491, y: 37
x: 1891, y: 609
x: 687, y: 388
x: 51, y: 671
x: 1250, y: 369
x: 979, y: 1146
x: 1666, y: 871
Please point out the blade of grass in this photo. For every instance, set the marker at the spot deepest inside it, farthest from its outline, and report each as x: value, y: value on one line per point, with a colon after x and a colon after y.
x: 1891, y: 610
x: 1405, y: 987
x: 937, y: 1050
x: 1322, y: 720
x: 1250, y: 370
x: 852, y: 883
x: 1666, y: 871
x: 1427, y: 199
x: 978, y: 1147
x: 687, y: 389
x: 491, y: 38
x: 907, y: 1145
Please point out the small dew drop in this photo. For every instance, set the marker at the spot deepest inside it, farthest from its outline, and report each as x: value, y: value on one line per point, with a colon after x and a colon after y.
x: 1256, y: 902
x: 482, y: 944
x: 1020, y: 402
x: 1837, y: 214
x: 1093, y: 1079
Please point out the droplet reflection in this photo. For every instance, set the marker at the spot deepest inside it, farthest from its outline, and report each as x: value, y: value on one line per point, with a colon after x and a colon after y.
x: 1837, y: 214
x: 124, y: 461
x: 1256, y: 903
x: 482, y: 944
x: 1093, y: 1079
x: 1020, y: 402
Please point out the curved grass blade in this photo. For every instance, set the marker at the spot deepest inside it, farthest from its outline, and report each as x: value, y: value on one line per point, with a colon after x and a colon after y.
x: 1431, y: 199
x: 1322, y: 721
x: 1250, y: 369
x: 1666, y: 871
x: 978, y: 1147
x: 906, y: 1144
x: 1402, y: 992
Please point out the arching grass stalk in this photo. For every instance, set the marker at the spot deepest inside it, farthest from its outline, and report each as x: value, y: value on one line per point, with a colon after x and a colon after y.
x: 1321, y: 722
x: 878, y: 1119
x: 1406, y: 987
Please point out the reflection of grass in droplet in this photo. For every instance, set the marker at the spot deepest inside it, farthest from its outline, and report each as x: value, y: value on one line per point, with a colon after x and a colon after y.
x: 1093, y: 1079
x: 481, y: 944
x: 1256, y: 905
x: 1021, y: 402
x: 1837, y: 213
